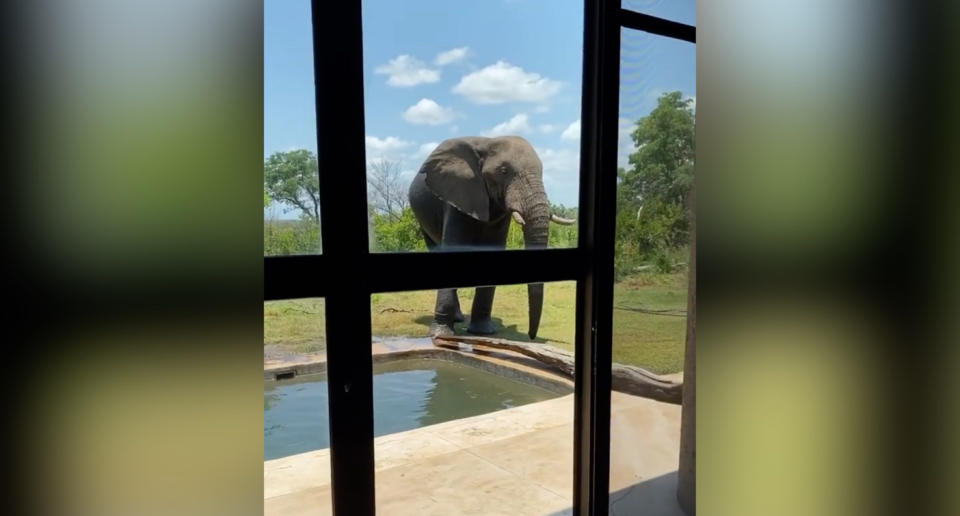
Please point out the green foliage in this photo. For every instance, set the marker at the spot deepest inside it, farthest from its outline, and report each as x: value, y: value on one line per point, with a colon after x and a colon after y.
x: 291, y: 177
x: 663, y: 262
x: 653, y: 218
x: 282, y: 237
x: 395, y: 234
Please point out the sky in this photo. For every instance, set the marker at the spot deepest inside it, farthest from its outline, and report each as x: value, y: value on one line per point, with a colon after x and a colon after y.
x: 436, y: 69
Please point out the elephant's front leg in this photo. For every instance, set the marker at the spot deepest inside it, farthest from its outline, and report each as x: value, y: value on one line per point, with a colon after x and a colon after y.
x: 442, y: 308
x: 446, y: 313
x: 493, y: 236
x: 480, y: 322
x: 461, y: 231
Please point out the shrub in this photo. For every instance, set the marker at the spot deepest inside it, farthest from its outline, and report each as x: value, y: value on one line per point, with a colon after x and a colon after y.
x: 283, y: 237
x: 397, y: 234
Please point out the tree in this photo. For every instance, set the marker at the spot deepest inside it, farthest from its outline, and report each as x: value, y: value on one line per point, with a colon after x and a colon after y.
x: 663, y: 163
x: 292, y: 177
x: 653, y: 217
x: 387, y: 193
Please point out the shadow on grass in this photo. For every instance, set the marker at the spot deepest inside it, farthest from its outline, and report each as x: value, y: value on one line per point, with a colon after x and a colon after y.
x: 503, y: 332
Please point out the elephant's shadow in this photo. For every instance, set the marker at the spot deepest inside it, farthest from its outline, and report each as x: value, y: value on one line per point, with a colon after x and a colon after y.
x: 503, y: 332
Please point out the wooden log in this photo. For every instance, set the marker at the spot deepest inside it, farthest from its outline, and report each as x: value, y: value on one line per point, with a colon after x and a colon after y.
x: 624, y: 378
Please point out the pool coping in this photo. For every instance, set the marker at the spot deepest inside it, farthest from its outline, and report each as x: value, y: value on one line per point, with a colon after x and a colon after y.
x: 524, y: 452
x: 501, y: 363
x: 516, y: 461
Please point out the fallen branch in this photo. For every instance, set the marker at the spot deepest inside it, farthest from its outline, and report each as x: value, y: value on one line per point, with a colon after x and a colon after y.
x: 624, y: 378
x: 669, y: 311
x: 396, y: 310
x: 291, y: 309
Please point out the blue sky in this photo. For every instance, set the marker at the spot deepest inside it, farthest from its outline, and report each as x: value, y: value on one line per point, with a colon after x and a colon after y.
x: 435, y: 69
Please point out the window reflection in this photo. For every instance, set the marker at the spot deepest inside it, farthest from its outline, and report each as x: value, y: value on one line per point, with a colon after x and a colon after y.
x: 653, y: 226
x: 683, y: 11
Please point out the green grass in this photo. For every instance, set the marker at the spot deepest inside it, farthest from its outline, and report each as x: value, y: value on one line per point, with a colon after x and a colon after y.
x: 295, y: 325
x: 654, y: 342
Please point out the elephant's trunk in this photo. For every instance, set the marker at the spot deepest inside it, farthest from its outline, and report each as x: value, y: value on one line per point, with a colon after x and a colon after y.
x: 536, y: 233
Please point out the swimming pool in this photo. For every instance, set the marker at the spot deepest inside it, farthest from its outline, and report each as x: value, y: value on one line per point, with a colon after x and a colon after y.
x: 407, y: 394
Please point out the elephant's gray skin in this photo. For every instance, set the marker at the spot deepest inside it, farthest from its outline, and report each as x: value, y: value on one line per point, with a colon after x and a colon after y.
x: 464, y: 197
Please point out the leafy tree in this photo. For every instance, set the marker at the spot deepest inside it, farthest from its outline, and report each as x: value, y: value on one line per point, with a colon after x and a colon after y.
x: 291, y: 177
x: 653, y: 217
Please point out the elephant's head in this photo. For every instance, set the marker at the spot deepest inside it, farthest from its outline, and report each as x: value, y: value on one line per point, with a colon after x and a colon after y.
x: 492, y: 178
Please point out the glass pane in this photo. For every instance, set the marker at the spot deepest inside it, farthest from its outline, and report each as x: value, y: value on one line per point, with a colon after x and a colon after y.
x: 655, y: 175
x: 683, y: 11
x: 465, y: 425
x: 291, y: 200
x: 296, y: 439
x: 472, y: 115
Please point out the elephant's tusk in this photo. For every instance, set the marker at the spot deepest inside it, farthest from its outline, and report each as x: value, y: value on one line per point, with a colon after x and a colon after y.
x: 560, y: 220
x: 518, y: 218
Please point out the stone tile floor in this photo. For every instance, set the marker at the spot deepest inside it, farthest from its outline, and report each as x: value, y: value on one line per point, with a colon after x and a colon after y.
x: 514, y: 462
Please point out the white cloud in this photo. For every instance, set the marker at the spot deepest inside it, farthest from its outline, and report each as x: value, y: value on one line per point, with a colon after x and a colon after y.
x: 518, y: 124
x: 560, y: 163
x: 561, y: 174
x: 388, y: 145
x: 504, y: 82
x: 426, y: 149
x: 428, y: 112
x: 405, y: 71
x: 451, y: 56
x: 572, y: 132
x: 548, y: 128
x: 407, y: 175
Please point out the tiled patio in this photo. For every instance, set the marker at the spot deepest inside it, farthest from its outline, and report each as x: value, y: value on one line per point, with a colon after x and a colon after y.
x: 514, y: 462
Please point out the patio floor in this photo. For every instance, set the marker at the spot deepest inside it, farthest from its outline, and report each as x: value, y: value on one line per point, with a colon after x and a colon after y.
x: 517, y: 461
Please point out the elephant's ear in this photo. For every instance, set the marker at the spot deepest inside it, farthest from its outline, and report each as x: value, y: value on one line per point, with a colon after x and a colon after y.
x: 453, y: 174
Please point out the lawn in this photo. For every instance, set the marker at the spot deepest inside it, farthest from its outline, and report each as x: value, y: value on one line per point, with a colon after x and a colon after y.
x: 652, y: 341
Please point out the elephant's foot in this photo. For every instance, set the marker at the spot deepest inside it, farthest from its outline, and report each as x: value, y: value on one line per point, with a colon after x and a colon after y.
x: 441, y: 330
x: 459, y: 317
x: 482, y: 327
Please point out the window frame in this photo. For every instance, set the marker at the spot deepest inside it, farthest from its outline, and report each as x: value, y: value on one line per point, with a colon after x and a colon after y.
x: 338, y: 45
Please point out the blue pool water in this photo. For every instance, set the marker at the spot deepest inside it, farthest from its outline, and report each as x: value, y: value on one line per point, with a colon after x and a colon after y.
x: 407, y: 394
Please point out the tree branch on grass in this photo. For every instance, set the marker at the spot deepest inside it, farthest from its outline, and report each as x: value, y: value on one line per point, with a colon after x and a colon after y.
x: 670, y: 311
x: 400, y: 310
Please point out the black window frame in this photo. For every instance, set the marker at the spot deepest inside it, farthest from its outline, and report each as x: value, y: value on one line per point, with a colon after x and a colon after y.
x: 346, y: 274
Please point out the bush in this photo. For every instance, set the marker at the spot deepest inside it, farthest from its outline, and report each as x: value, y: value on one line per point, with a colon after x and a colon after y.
x: 283, y: 237
x: 390, y: 233
x: 397, y: 234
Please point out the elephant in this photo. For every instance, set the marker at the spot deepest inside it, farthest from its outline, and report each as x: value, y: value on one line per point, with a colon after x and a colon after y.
x: 464, y: 196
